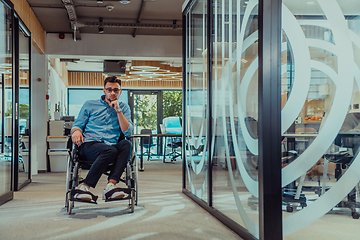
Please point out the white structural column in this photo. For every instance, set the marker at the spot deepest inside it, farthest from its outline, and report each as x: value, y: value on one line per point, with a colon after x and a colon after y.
x: 39, y: 111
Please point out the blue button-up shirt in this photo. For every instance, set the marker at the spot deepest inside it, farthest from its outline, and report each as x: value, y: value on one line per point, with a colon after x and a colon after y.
x: 99, y: 122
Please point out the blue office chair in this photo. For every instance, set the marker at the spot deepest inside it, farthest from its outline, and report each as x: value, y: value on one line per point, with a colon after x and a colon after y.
x: 172, y: 125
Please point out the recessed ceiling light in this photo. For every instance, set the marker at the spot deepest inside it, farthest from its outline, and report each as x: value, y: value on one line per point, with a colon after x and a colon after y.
x: 124, y: 1
x: 310, y: 3
x: 148, y: 68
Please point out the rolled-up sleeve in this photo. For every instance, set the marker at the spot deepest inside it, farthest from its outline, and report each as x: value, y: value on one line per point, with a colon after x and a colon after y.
x: 127, y: 113
x: 82, y: 118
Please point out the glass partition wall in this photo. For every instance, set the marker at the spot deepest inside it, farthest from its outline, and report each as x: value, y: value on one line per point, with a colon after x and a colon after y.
x: 196, y: 134
x: 23, y: 108
x: 6, y: 66
x: 234, y: 119
x: 320, y: 115
x: 271, y: 123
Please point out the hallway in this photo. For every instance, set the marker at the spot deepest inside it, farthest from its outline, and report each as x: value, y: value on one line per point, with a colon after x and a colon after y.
x: 163, y: 211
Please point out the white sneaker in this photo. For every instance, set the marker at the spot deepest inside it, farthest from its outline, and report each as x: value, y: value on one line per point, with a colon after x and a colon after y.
x: 83, y: 196
x: 115, y: 195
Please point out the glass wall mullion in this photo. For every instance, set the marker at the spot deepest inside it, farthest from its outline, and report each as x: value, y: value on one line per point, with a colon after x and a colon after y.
x: 209, y: 39
x: 184, y: 63
x: 15, y: 100
x: 269, y: 129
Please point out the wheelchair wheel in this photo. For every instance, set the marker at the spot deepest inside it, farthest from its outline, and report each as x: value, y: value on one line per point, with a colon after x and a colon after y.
x: 135, y: 177
x: 132, y: 204
x: 69, y: 176
x: 74, y: 183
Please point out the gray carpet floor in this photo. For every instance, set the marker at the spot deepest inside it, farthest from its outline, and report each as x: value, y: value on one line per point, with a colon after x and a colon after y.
x: 163, y: 211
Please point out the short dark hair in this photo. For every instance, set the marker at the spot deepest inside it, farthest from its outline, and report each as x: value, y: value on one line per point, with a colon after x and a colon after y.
x: 112, y: 79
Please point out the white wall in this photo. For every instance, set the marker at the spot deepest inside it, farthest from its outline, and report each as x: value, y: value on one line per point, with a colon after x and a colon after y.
x: 57, y: 92
x: 39, y: 111
x: 124, y: 46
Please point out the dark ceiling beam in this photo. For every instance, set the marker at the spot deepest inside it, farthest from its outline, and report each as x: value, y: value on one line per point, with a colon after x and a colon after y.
x: 141, y: 11
x: 130, y: 25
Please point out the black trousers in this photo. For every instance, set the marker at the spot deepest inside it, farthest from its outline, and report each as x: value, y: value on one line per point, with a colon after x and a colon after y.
x: 102, y: 155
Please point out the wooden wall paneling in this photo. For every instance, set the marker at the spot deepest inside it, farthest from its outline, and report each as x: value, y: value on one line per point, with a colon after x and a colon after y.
x: 38, y: 33
x: 26, y: 14
x: 24, y: 78
x: 60, y: 69
x: 97, y: 78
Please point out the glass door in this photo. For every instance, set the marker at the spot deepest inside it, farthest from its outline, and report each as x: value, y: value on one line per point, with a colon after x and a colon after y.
x: 22, y: 98
x: 6, y: 66
x: 147, y: 110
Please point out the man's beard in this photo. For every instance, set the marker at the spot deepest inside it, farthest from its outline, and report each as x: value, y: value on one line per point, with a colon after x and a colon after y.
x: 110, y: 98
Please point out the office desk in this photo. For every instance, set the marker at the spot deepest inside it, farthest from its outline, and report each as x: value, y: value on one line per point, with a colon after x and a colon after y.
x: 165, y: 135
x: 349, y: 134
x: 298, y: 135
x: 302, y: 137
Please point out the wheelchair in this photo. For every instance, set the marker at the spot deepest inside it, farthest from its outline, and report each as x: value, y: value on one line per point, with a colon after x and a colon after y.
x: 73, y: 178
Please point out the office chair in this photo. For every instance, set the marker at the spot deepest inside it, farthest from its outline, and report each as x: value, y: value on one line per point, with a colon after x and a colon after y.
x: 343, y: 160
x: 147, y: 142
x: 289, y: 195
x: 174, y: 144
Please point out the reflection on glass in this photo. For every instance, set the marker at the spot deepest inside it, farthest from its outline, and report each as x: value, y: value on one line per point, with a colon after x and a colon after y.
x: 24, y: 104
x: 235, y: 112
x: 145, y: 121
x: 172, y: 104
x: 145, y: 112
x: 320, y: 117
x: 5, y: 99
x: 196, y: 99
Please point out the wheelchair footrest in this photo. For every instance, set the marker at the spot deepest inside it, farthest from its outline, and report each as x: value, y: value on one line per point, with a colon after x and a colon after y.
x: 75, y: 191
x: 111, y: 192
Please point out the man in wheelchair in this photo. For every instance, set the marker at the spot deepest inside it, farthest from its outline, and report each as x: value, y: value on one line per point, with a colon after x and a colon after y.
x: 96, y: 132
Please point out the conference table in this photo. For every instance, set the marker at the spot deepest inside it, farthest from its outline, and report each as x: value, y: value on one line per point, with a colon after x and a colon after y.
x: 164, y: 135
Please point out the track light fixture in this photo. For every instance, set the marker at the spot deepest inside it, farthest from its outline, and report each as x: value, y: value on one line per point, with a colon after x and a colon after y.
x: 101, y: 27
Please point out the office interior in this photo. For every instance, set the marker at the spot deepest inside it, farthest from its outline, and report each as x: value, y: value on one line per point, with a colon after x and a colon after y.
x: 264, y: 118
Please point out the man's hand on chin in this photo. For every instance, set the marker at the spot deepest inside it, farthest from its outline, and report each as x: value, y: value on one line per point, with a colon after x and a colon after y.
x: 114, y: 104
